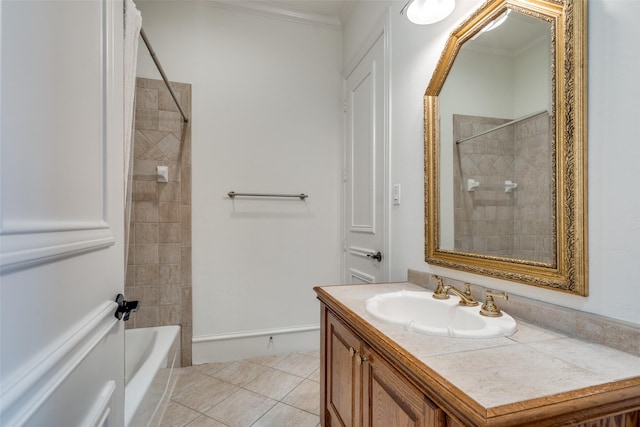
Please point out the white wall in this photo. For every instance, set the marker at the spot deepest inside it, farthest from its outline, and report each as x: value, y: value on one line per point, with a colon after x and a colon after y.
x: 614, y: 104
x: 532, y: 79
x: 267, y: 117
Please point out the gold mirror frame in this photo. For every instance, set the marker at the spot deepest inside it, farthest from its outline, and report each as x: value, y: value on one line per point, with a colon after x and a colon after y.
x: 569, y: 150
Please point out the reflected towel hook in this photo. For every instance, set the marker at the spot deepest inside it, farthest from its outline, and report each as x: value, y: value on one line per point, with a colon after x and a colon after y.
x: 509, y: 186
x: 472, y: 184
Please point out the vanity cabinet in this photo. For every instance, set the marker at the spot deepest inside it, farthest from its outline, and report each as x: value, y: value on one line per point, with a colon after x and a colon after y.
x: 368, y: 379
x: 362, y: 389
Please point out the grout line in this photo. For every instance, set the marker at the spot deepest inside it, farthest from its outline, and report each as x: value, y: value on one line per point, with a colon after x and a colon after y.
x: 204, y: 374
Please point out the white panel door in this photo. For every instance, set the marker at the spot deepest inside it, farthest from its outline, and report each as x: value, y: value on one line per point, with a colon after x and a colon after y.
x: 365, y: 187
x: 61, y: 213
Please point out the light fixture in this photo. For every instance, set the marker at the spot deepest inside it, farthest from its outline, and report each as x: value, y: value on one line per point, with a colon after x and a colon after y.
x: 424, y: 12
x: 493, y: 24
x: 497, y: 22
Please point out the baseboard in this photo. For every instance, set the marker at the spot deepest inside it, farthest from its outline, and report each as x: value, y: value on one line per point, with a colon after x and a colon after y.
x: 250, y: 344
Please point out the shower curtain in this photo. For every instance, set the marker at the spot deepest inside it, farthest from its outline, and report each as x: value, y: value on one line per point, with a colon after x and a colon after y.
x: 132, y: 25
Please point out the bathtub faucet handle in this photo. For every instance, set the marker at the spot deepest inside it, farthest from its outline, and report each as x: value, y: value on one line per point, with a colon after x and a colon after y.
x: 125, y: 308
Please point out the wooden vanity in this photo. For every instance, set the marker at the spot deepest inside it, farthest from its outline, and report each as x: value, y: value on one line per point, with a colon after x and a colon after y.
x: 373, y: 374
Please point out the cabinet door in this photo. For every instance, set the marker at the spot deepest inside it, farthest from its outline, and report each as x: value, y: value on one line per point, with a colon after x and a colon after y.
x: 453, y: 422
x: 629, y: 419
x: 390, y: 400
x: 342, y: 375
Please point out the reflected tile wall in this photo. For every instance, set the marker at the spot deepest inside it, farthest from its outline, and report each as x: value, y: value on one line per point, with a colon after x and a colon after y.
x: 517, y: 224
x: 484, y: 217
x: 533, y: 219
x: 159, y: 271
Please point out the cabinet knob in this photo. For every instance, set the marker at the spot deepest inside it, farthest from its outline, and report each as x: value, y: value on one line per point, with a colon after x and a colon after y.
x: 351, y: 351
x: 360, y: 359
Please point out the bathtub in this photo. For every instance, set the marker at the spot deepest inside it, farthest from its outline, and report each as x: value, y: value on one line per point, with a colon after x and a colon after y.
x: 151, y: 354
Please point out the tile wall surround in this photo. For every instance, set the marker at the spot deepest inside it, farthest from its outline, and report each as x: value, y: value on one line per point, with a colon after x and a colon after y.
x: 159, y: 263
x: 623, y: 336
x: 516, y: 224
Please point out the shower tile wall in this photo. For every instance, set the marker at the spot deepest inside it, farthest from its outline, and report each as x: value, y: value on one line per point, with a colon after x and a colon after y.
x: 490, y: 221
x: 533, y: 205
x: 159, y: 270
x: 484, y: 217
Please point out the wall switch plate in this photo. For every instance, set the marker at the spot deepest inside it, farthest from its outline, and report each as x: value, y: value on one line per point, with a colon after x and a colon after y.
x: 395, y: 195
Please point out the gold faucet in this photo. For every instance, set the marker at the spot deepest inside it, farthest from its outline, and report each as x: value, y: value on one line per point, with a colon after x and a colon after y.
x: 442, y: 292
x: 466, y: 299
x: 489, y: 308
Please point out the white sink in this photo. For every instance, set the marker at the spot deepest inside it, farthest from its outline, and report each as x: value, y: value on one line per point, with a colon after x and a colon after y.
x: 420, y: 312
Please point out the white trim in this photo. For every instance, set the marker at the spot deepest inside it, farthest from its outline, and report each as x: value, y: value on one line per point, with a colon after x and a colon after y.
x: 272, y: 11
x: 371, y: 77
x: 382, y: 28
x: 259, y: 343
x: 28, y: 249
x: 101, y: 409
x: 360, y: 275
x: 30, y: 243
x: 254, y: 333
x: 25, y: 391
x: 388, y: 185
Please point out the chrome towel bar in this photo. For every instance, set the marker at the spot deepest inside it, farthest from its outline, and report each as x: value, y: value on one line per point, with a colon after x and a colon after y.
x: 233, y: 194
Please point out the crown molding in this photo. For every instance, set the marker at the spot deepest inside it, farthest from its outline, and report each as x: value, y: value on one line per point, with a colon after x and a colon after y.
x: 271, y: 11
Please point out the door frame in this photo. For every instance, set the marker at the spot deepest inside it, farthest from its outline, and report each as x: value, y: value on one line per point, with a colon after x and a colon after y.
x: 381, y: 29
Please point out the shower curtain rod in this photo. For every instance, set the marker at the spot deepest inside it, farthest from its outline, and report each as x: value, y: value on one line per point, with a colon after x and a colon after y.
x: 164, y: 76
x: 501, y: 126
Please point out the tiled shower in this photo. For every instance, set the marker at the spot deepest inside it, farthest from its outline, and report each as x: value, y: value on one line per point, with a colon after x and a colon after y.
x: 489, y: 219
x: 159, y: 260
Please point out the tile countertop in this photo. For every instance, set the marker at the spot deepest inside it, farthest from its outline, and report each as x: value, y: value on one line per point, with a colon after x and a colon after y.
x: 532, y: 363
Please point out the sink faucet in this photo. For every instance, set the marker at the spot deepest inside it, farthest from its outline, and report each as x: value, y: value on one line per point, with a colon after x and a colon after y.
x: 489, y: 308
x: 442, y: 292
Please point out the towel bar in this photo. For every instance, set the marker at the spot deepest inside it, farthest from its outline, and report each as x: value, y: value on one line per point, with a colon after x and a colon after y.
x: 233, y: 194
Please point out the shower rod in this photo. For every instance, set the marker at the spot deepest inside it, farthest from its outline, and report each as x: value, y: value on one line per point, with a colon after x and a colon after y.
x: 233, y: 194
x: 501, y: 126
x: 164, y: 76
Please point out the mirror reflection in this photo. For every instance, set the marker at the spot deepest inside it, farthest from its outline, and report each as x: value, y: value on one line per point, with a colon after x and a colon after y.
x: 496, y: 143
x: 506, y: 146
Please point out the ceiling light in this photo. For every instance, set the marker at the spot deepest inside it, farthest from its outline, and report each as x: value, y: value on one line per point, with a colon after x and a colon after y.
x: 493, y: 24
x: 428, y: 11
x: 497, y: 22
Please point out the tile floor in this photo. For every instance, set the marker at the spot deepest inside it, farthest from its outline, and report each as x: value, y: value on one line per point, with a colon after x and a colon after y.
x: 272, y: 391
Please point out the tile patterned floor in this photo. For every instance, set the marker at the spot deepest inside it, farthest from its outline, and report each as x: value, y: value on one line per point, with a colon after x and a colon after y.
x: 272, y: 391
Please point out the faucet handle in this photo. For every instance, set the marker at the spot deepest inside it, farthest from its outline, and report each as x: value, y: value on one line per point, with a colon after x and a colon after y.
x: 489, y: 308
x: 467, y: 290
x: 441, y: 290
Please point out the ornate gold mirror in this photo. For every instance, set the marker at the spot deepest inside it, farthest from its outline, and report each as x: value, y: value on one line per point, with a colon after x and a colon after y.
x: 505, y: 146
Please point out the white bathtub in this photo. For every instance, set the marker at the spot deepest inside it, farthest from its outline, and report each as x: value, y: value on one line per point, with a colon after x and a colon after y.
x: 150, y: 357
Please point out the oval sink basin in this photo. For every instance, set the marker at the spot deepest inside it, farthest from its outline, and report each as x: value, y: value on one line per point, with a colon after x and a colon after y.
x: 420, y: 312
